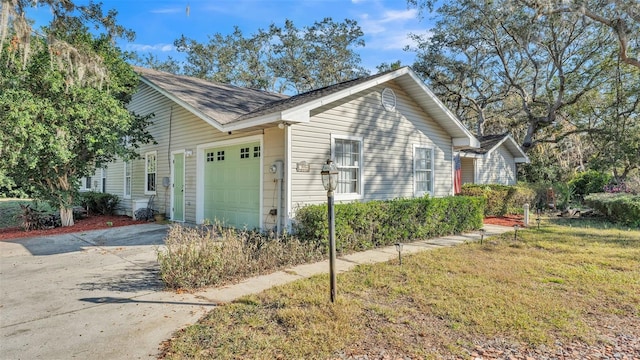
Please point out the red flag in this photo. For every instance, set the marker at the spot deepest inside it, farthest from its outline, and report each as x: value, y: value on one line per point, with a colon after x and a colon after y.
x: 457, y: 175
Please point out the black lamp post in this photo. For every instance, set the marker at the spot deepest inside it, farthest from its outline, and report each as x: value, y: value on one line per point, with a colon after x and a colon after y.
x: 515, y: 234
x: 482, y: 232
x: 330, y: 182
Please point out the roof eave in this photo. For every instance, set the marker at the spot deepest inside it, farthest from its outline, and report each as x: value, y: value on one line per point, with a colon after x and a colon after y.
x: 513, y: 146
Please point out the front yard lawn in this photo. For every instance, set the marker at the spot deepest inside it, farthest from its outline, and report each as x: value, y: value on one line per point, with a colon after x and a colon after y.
x: 557, y: 290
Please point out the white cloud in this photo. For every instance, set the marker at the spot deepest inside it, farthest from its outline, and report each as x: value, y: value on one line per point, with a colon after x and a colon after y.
x: 399, y: 15
x: 173, y: 10
x: 150, y: 48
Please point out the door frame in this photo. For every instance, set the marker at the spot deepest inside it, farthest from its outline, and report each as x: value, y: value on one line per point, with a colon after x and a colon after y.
x: 200, y: 172
x: 173, y: 189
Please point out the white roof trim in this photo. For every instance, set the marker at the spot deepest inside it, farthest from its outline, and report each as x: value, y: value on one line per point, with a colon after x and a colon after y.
x: 522, y: 158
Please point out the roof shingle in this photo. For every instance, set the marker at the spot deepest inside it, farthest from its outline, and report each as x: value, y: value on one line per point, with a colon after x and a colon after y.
x: 221, y: 102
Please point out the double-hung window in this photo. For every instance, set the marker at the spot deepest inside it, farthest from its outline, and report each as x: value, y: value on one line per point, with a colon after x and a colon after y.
x: 150, y: 172
x: 422, y: 170
x: 127, y: 179
x: 348, y: 155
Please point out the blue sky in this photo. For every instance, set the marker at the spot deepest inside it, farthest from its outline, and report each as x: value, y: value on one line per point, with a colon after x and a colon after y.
x: 157, y: 23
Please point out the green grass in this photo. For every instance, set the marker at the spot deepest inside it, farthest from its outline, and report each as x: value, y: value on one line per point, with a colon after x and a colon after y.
x: 557, y: 283
x: 10, y: 209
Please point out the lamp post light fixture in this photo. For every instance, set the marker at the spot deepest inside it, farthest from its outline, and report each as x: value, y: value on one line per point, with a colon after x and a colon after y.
x: 330, y: 182
x: 399, y: 250
x: 515, y: 234
x: 482, y: 232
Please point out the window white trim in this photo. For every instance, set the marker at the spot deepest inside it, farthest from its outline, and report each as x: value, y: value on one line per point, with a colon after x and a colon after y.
x: 419, y: 192
x: 150, y: 189
x: 83, y: 183
x: 360, y: 167
x: 125, y: 194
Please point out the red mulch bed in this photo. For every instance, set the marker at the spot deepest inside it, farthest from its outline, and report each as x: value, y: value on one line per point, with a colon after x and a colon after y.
x: 93, y: 222
x: 507, y: 220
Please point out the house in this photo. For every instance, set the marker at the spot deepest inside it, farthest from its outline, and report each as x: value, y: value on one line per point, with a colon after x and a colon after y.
x: 250, y: 158
x: 494, y: 162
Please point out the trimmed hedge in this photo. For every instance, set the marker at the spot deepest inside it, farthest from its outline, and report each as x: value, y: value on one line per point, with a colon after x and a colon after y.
x: 618, y: 208
x: 361, y: 226
x: 501, y: 199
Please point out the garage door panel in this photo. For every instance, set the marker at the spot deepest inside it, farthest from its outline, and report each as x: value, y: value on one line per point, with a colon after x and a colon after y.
x: 232, y: 186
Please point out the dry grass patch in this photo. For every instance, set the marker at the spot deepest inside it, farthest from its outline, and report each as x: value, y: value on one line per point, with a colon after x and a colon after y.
x: 554, y: 284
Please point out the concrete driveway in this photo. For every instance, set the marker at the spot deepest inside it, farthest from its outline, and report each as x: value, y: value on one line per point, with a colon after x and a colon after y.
x: 93, y: 295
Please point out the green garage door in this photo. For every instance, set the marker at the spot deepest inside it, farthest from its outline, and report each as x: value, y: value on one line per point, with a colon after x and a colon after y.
x: 232, y: 185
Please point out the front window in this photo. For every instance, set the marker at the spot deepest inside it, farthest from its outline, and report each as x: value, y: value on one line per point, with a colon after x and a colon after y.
x: 85, y: 183
x: 422, y: 170
x: 150, y: 172
x: 127, y: 180
x: 347, y: 152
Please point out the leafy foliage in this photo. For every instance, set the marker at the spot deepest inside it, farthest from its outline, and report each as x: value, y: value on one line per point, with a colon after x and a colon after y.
x: 361, y: 226
x: 99, y: 203
x: 63, y: 104
x: 619, y: 208
x: 501, y: 199
x: 33, y: 219
x: 587, y: 182
x: 284, y: 59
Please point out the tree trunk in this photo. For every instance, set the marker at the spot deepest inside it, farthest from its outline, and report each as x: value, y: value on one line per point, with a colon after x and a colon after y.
x: 66, y: 216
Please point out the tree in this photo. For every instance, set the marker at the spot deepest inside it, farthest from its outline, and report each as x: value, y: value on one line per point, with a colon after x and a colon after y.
x: 63, y: 97
x: 280, y: 59
x: 383, y: 67
x: 618, y: 139
x: 621, y: 16
x: 535, y: 67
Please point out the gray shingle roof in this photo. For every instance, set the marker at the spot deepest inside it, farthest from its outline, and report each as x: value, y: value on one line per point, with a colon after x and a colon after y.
x: 221, y: 102
x: 487, y: 143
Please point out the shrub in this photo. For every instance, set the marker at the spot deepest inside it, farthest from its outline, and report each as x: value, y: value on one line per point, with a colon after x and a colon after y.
x: 588, y: 182
x: 205, y: 256
x: 619, y: 208
x: 33, y: 219
x: 501, y: 199
x: 99, y: 203
x: 361, y: 226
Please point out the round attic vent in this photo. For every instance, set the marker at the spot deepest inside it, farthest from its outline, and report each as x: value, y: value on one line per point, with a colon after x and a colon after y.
x: 388, y: 99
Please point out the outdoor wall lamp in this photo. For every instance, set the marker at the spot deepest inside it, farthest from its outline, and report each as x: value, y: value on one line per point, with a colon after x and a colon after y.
x: 482, y: 232
x: 329, y: 175
x: 399, y: 250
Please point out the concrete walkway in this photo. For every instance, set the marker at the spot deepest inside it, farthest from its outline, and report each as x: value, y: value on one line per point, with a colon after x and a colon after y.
x: 98, y: 295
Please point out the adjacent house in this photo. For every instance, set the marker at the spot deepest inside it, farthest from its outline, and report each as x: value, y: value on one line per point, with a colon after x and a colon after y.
x: 250, y: 158
x: 494, y: 162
